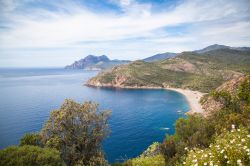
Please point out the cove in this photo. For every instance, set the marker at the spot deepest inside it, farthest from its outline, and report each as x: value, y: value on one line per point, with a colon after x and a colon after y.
x: 138, y: 116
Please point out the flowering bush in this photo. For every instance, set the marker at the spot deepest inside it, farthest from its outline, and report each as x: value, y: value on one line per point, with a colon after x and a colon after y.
x: 230, y: 148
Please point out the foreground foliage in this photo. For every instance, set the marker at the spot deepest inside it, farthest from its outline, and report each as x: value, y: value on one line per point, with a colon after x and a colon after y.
x: 77, y: 131
x: 149, y: 157
x: 34, y: 139
x: 230, y: 148
x: 200, y: 140
x: 73, y: 135
x: 30, y: 156
x: 197, y: 132
x: 157, y: 160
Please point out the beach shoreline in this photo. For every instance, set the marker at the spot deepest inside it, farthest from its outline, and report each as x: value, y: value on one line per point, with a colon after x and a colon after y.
x: 193, y: 97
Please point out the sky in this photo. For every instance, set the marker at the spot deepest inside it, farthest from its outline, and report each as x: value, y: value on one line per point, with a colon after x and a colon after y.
x: 45, y: 33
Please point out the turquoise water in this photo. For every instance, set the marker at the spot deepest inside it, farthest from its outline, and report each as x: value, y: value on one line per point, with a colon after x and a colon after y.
x: 27, y: 96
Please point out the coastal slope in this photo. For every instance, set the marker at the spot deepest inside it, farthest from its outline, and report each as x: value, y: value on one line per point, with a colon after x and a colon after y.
x: 209, y: 102
x: 189, y: 70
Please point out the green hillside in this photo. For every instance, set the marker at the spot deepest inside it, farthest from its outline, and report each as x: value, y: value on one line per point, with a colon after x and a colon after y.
x: 196, y: 71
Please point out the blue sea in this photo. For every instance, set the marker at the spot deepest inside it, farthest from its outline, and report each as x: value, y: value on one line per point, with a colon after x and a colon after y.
x: 27, y: 96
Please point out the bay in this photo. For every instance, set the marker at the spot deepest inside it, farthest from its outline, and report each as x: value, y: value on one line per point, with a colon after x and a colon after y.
x: 139, y: 117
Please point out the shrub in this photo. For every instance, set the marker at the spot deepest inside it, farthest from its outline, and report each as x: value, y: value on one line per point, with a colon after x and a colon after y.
x: 244, y: 90
x: 230, y: 148
x: 195, y: 130
x: 77, y: 131
x: 31, y: 139
x: 157, y: 160
x: 152, y: 150
x: 190, y: 132
x: 28, y: 155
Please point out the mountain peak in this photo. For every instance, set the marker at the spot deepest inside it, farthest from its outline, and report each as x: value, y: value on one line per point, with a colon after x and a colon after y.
x: 95, y: 58
x: 218, y: 46
x: 95, y: 62
x: 158, y: 57
x: 211, y: 48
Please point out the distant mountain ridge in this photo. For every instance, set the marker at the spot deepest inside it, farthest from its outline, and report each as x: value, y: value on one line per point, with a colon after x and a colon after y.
x: 217, y: 47
x: 192, y: 70
x: 158, y: 57
x: 92, y: 62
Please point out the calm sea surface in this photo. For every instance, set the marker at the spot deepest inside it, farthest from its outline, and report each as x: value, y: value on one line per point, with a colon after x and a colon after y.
x: 27, y: 96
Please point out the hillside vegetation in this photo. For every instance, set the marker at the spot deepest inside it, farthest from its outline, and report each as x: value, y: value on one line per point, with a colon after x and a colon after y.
x: 196, y: 71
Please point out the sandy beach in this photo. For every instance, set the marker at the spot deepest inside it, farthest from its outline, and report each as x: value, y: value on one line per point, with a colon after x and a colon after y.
x: 193, y: 97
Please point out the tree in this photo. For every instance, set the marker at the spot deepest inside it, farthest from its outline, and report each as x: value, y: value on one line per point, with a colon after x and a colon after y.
x: 77, y: 131
x: 28, y: 155
x: 195, y: 130
x: 31, y: 139
x: 168, y: 147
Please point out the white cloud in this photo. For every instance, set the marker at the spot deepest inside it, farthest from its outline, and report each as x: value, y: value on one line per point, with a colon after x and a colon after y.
x: 72, y: 24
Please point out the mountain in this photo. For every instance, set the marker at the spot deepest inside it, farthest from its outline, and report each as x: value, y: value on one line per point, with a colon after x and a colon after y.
x: 217, y: 47
x: 196, y: 71
x: 158, y: 57
x: 95, y: 63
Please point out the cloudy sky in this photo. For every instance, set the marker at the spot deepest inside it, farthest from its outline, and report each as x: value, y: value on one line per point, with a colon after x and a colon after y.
x: 40, y: 33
